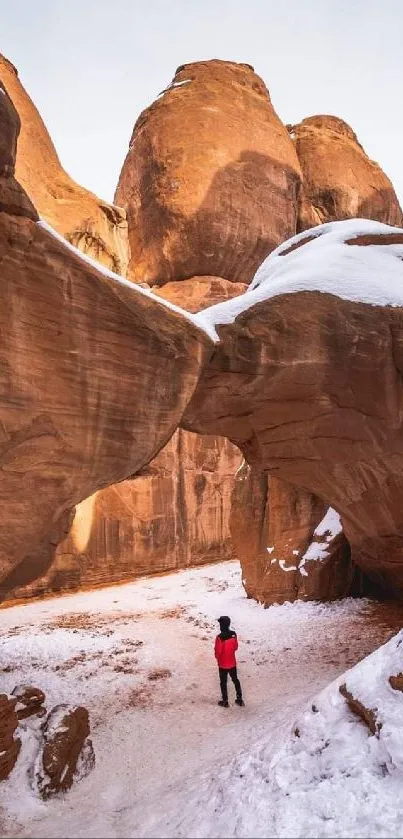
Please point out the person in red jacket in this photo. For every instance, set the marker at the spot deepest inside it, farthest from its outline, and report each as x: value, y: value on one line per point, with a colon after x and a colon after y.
x: 225, y: 646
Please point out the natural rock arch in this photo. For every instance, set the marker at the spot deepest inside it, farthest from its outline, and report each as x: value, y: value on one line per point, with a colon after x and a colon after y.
x: 97, y: 374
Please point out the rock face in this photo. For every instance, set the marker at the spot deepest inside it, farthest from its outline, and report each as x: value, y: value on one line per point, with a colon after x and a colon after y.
x: 97, y: 228
x: 306, y: 380
x: 274, y: 532
x: 123, y: 367
x: 198, y: 293
x: 174, y: 514
x: 339, y: 182
x: 9, y: 744
x: 211, y: 179
x: 309, y: 385
x: 66, y: 751
x: 177, y: 514
x: 339, y: 179
x: 12, y: 197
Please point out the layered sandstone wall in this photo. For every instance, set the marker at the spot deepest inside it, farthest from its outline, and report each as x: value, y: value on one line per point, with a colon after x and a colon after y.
x: 289, y: 545
x: 173, y: 515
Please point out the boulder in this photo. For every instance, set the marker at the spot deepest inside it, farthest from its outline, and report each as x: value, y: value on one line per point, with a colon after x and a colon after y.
x: 339, y: 179
x: 211, y: 179
x: 99, y: 229
x: 29, y: 701
x: 66, y: 753
x: 9, y: 744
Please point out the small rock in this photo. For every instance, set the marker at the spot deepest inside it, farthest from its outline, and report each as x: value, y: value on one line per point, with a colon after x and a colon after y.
x: 29, y: 701
x: 66, y: 753
x: 396, y: 682
x: 368, y: 715
x: 9, y: 745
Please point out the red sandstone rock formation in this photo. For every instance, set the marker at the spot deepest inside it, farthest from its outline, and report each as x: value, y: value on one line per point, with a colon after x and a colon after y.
x: 308, y: 384
x: 198, y: 293
x: 211, y: 179
x: 273, y: 531
x: 94, y: 377
x: 339, y: 179
x: 172, y: 515
x: 90, y: 393
x: 12, y: 198
x: 67, y: 751
x: 178, y: 514
x: 97, y: 228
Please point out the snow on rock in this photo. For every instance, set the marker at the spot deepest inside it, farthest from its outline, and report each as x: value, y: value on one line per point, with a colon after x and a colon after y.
x: 369, y: 683
x: 330, y: 525
x: 29, y: 701
x: 335, y: 778
x: 323, y: 535
x: 179, y: 84
x: 285, y: 567
x: 136, y: 288
x: 325, y: 259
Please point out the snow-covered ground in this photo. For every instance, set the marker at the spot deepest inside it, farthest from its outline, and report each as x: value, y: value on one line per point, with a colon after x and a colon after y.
x: 169, y: 761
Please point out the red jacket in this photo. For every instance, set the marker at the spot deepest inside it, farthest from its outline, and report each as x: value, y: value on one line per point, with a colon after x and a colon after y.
x: 224, y: 651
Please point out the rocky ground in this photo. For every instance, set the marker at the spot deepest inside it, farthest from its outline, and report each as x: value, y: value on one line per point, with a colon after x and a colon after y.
x: 139, y: 657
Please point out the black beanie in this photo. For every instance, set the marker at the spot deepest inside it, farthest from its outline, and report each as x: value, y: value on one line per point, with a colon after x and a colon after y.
x: 224, y: 622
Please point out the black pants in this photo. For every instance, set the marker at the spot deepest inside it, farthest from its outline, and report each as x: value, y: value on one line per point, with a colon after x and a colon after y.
x: 223, y: 682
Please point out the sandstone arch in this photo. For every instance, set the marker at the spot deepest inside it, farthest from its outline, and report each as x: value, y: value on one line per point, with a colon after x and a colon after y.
x: 97, y: 374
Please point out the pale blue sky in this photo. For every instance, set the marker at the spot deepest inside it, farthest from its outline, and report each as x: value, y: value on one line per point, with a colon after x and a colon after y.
x: 91, y: 66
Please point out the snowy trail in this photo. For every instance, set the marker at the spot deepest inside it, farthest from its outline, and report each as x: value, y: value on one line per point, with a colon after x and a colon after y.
x: 165, y: 752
